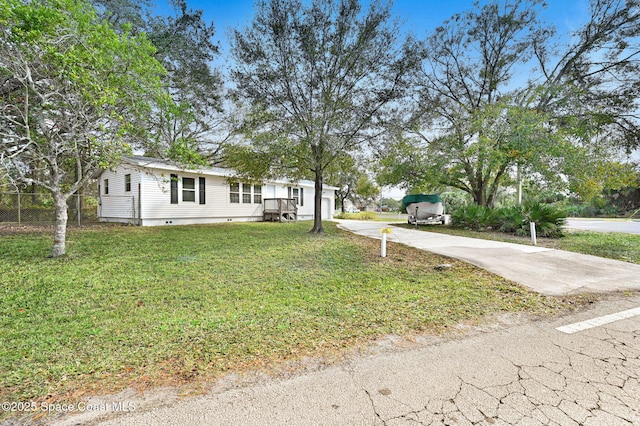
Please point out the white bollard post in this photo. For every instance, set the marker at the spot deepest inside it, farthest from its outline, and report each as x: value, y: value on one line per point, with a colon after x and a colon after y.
x: 383, y: 249
x: 532, y: 226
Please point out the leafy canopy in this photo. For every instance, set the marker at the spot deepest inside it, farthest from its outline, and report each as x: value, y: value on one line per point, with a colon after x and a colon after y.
x: 474, y: 123
x: 318, y: 81
x: 74, y: 95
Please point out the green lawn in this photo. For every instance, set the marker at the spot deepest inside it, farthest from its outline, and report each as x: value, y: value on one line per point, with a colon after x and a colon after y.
x: 618, y: 246
x: 625, y: 247
x: 180, y: 304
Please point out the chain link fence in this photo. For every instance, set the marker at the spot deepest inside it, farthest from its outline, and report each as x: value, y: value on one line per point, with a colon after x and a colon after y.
x: 38, y: 209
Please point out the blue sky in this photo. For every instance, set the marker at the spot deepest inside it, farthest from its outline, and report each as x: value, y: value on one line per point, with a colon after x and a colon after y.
x: 419, y: 16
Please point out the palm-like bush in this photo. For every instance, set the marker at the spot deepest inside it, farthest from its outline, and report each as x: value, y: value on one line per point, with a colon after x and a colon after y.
x: 472, y: 216
x: 509, y: 219
x: 548, y: 218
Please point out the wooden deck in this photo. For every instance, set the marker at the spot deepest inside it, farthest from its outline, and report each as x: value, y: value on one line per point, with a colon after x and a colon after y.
x: 280, y: 210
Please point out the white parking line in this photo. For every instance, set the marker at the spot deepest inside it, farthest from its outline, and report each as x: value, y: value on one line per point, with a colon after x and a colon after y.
x: 596, y: 322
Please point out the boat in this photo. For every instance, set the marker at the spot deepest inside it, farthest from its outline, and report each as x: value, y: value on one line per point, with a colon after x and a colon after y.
x: 424, y: 209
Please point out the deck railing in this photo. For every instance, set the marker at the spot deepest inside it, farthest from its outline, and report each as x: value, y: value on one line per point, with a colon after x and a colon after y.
x: 280, y: 209
x: 273, y: 205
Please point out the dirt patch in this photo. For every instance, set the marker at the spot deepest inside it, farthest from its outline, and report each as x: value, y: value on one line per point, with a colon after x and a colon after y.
x: 15, y: 229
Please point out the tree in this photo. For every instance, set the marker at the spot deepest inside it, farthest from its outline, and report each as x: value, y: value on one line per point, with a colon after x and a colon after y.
x: 391, y: 204
x: 352, y: 182
x: 320, y: 79
x: 73, y: 96
x: 190, y: 131
x: 366, y: 191
x: 474, y: 123
x: 343, y: 175
x: 592, y: 84
x: 459, y: 135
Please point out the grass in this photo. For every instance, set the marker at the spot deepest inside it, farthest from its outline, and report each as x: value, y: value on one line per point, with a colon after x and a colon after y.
x: 625, y: 247
x: 357, y: 216
x: 171, y: 305
x: 612, y: 245
x: 374, y: 216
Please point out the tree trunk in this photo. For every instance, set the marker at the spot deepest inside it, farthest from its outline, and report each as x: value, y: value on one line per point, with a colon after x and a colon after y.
x: 34, y: 195
x: 342, y: 200
x: 60, y: 234
x: 317, y: 205
x: 479, y: 196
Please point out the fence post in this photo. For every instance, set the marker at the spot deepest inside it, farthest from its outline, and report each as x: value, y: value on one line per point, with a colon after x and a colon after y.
x: 19, y: 207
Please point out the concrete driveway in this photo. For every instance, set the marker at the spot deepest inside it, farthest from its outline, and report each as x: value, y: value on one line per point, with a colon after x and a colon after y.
x: 547, y: 271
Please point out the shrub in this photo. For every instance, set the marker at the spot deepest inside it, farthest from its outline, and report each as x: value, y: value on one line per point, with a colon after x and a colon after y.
x: 508, y: 219
x: 577, y: 210
x: 548, y: 218
x: 472, y: 216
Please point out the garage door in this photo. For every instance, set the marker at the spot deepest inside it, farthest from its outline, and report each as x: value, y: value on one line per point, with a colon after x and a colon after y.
x: 326, y: 209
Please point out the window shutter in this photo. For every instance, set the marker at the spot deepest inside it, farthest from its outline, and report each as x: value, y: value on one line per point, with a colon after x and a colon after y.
x: 201, y: 183
x: 301, y: 197
x: 174, y: 189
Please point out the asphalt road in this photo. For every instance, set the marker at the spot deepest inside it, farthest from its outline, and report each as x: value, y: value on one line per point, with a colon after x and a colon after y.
x: 516, y: 371
x: 605, y: 225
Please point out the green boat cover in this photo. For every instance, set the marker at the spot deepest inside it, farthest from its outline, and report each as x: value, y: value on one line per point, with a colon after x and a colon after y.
x: 420, y: 198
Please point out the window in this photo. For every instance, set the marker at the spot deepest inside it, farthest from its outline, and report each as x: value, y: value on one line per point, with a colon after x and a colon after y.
x: 188, y: 189
x: 234, y: 192
x: 257, y: 194
x: 246, y: 193
x: 174, y: 189
x: 127, y: 183
x: 297, y: 194
x: 106, y: 187
x: 251, y: 194
x: 201, y: 185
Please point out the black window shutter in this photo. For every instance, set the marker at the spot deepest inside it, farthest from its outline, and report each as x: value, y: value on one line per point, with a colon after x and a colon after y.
x: 201, y: 183
x: 301, y: 197
x: 174, y: 189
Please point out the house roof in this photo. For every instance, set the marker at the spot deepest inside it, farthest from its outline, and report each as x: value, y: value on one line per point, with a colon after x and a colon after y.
x: 157, y: 163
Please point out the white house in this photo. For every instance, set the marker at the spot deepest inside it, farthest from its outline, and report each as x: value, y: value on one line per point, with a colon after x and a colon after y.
x: 151, y: 192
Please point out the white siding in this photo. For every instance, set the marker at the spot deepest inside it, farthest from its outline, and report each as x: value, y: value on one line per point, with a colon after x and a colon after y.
x: 157, y: 207
x: 269, y: 191
x: 119, y: 205
x: 149, y: 201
